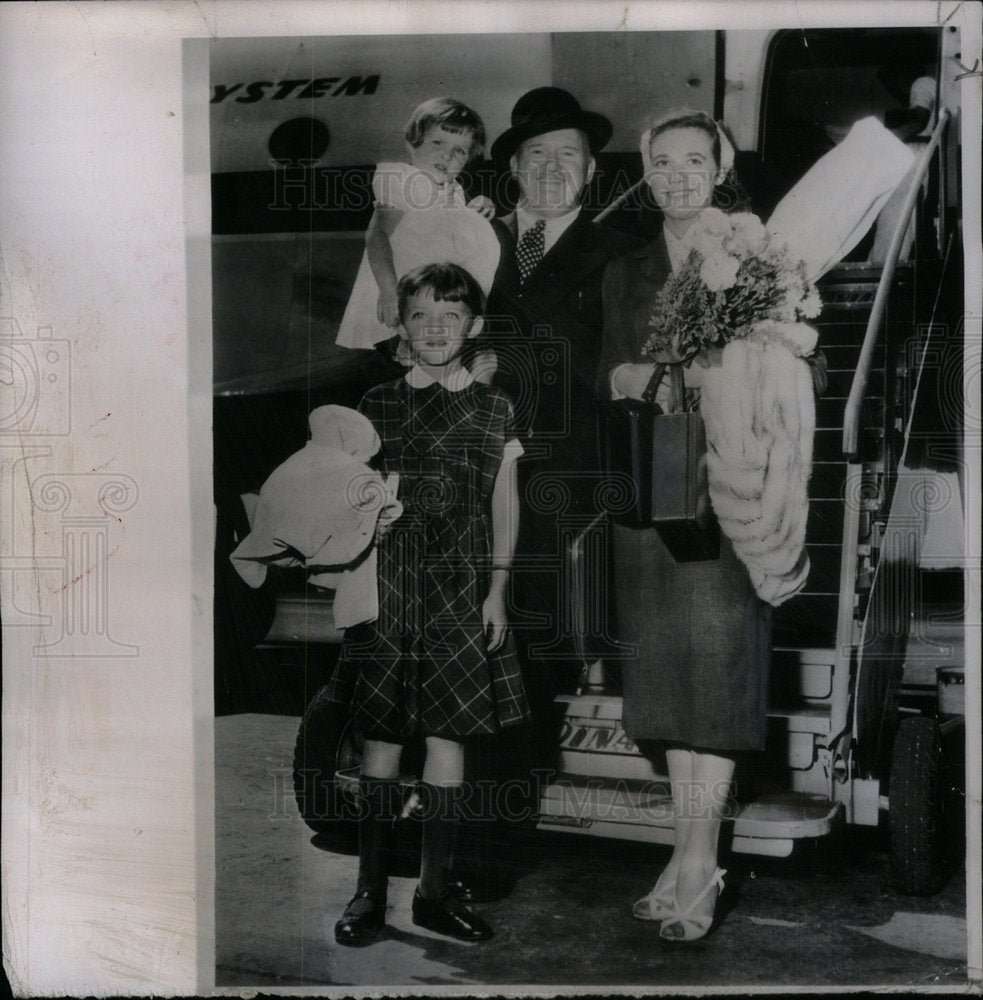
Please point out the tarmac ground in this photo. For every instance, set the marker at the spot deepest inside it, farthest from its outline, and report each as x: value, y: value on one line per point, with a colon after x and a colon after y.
x: 826, y: 917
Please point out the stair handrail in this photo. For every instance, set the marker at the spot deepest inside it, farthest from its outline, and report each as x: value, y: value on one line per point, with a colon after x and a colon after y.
x: 851, y: 415
x: 846, y: 640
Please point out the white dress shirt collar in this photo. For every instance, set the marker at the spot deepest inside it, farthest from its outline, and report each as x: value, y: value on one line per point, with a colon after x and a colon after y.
x: 555, y: 228
x: 457, y: 380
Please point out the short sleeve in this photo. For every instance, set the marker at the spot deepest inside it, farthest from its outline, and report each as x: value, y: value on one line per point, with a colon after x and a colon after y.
x: 513, y: 450
x: 369, y: 404
x: 507, y: 415
x: 499, y: 433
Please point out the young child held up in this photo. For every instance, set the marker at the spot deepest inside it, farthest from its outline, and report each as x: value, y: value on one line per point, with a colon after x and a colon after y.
x: 421, y: 215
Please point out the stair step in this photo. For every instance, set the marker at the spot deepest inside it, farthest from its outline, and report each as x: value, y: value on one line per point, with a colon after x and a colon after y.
x: 857, y: 270
x: 826, y: 482
x: 843, y: 358
x: 827, y: 445
x: 806, y: 620
x: 839, y: 382
x: 769, y: 824
x: 829, y: 412
x: 825, y: 522
x: 824, y: 569
x: 803, y: 718
x: 304, y: 616
x: 847, y: 299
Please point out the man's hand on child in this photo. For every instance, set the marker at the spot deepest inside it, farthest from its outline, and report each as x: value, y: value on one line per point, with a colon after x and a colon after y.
x: 483, y: 206
x: 484, y: 365
x: 494, y: 620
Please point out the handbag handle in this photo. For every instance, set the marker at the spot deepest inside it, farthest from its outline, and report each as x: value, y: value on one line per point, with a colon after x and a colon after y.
x: 658, y: 373
x: 676, y: 388
x: 677, y: 397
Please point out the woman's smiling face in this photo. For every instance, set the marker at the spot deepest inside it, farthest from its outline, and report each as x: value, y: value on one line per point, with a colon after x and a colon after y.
x: 683, y: 172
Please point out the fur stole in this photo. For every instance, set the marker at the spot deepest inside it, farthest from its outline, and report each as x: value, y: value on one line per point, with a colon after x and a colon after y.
x: 759, y: 410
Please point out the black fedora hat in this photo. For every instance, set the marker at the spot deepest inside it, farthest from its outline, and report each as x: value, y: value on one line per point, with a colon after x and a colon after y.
x: 548, y: 109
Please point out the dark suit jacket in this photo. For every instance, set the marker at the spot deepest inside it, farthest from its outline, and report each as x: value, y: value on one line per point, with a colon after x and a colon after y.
x: 547, y: 335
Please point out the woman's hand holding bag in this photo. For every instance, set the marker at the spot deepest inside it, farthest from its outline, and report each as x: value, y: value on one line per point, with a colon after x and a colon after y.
x: 660, y: 458
x: 631, y: 380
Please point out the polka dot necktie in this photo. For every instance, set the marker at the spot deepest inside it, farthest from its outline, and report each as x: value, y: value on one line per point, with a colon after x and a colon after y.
x: 530, y: 249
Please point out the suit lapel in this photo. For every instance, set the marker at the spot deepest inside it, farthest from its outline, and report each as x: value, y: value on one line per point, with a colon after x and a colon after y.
x: 507, y: 283
x: 510, y: 223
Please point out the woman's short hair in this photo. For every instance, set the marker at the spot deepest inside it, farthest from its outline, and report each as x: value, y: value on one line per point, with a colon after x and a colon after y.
x: 445, y: 282
x: 448, y: 114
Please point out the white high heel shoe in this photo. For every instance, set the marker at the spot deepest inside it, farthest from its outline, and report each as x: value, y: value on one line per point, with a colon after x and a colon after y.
x: 691, y: 928
x: 659, y: 904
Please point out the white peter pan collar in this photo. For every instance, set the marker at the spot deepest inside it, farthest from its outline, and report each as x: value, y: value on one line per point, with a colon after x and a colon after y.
x: 455, y: 382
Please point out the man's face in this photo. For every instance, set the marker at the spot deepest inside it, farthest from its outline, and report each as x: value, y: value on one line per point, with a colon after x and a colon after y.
x: 552, y: 170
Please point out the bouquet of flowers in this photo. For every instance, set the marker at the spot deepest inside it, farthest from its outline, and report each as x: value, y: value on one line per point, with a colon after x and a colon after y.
x: 737, y: 282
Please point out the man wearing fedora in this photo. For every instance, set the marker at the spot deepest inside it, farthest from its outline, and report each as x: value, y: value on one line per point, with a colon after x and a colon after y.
x: 545, y: 322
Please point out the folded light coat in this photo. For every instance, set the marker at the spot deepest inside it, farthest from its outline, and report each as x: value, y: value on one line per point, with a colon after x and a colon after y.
x: 829, y: 211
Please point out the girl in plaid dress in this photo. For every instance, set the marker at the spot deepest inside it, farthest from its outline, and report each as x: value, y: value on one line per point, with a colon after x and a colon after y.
x: 439, y: 661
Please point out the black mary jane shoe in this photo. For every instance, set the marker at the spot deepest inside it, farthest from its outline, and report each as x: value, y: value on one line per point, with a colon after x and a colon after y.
x: 476, y: 888
x: 449, y: 915
x: 361, y: 922
x: 462, y: 889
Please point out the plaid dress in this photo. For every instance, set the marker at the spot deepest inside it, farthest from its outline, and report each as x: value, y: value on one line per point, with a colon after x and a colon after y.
x: 423, y: 667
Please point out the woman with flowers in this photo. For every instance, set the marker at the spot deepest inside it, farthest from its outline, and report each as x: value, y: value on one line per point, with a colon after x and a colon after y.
x: 712, y: 294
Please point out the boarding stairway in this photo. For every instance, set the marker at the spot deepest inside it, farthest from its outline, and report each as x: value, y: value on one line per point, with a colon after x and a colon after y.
x: 838, y: 646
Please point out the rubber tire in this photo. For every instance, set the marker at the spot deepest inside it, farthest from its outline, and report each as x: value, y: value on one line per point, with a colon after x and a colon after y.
x: 326, y: 741
x: 916, y: 808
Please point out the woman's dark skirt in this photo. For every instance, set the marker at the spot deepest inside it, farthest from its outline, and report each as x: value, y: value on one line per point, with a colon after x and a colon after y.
x: 698, y: 673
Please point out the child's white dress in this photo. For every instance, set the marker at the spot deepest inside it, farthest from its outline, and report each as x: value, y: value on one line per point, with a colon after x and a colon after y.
x: 437, y: 227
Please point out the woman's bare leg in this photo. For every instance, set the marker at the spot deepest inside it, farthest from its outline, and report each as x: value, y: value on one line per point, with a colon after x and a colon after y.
x: 703, y: 809
x: 680, y: 766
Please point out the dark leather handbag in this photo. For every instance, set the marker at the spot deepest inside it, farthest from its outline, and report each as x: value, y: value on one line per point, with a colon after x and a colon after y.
x: 659, y: 459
